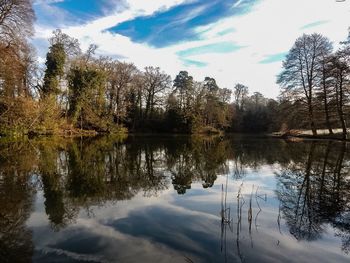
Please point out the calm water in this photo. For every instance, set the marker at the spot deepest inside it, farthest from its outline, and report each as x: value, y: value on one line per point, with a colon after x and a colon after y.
x: 174, y: 199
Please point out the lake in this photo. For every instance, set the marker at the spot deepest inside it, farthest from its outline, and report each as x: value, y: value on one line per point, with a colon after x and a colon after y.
x: 174, y: 199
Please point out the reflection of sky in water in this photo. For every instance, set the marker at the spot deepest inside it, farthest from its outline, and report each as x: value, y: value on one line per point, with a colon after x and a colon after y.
x: 183, y: 228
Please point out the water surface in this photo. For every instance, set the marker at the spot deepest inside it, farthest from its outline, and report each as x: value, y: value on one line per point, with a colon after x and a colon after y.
x: 174, y: 199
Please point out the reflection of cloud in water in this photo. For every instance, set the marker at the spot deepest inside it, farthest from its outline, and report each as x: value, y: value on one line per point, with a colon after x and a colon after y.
x: 130, y: 208
x: 102, y: 242
x: 169, y: 230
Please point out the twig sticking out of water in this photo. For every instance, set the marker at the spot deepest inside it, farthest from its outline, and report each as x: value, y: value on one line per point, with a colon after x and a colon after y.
x: 240, y: 203
x: 250, y: 216
x: 225, y: 218
x: 257, y: 202
x: 225, y: 211
x: 222, y: 200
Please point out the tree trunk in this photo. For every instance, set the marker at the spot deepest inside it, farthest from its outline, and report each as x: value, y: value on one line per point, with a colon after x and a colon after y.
x: 152, y: 105
x: 311, y: 118
x: 111, y: 99
x: 339, y: 95
x: 343, y: 125
x: 148, y: 105
x: 326, y: 110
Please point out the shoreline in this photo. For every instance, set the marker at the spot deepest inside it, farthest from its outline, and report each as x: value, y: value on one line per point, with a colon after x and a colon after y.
x: 287, y: 136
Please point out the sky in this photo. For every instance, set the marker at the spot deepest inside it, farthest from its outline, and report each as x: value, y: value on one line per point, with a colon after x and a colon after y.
x: 234, y: 41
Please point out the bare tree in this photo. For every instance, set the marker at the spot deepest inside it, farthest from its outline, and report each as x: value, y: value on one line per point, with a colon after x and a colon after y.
x: 340, y: 71
x: 301, y: 70
x: 120, y: 78
x: 71, y: 45
x: 16, y: 20
x: 156, y: 83
x: 324, y: 87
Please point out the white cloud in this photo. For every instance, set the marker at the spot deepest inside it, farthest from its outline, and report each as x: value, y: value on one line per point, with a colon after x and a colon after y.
x: 271, y: 27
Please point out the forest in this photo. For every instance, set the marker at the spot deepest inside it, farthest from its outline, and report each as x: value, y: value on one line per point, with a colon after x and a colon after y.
x: 78, y: 92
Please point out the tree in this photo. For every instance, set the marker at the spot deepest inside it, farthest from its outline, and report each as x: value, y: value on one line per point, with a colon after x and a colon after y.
x: 62, y: 47
x: 120, y: 78
x: 87, y: 97
x: 210, y: 88
x: 217, y: 113
x: 135, y: 99
x: 258, y: 100
x: 16, y: 21
x: 71, y: 45
x: 340, y: 71
x: 156, y: 84
x: 16, y: 55
x: 324, y: 88
x: 55, y: 61
x: 16, y: 63
x: 240, y: 95
x: 301, y: 70
x: 183, y: 87
x: 181, y: 115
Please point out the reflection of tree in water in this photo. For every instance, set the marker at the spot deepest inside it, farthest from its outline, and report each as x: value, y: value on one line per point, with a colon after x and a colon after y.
x: 199, y: 159
x: 16, y: 197
x: 152, y: 170
x: 53, y: 170
x: 316, y: 192
x: 181, y: 174
x: 179, y: 160
x: 80, y: 174
x: 210, y: 160
x: 90, y: 172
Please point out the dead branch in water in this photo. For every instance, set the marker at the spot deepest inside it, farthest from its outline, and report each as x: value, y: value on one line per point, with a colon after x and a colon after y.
x: 257, y: 202
x: 240, y: 203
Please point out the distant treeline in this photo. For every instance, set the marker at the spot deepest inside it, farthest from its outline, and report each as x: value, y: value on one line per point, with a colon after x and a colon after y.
x: 78, y: 90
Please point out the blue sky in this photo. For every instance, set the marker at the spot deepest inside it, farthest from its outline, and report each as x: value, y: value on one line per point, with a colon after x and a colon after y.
x: 178, y: 23
x: 233, y: 41
x: 63, y: 12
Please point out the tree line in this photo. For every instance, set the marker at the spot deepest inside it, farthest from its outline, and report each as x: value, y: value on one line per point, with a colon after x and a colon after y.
x: 78, y: 91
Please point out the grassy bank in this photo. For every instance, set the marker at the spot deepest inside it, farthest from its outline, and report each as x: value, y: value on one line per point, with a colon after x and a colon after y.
x: 61, y: 131
x: 322, y: 134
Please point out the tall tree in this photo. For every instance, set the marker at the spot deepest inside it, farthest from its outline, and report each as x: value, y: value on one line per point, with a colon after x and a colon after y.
x: 62, y: 46
x: 340, y: 71
x: 16, y: 26
x: 183, y: 87
x: 55, y: 61
x: 324, y: 89
x: 301, y: 70
x: 16, y: 62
